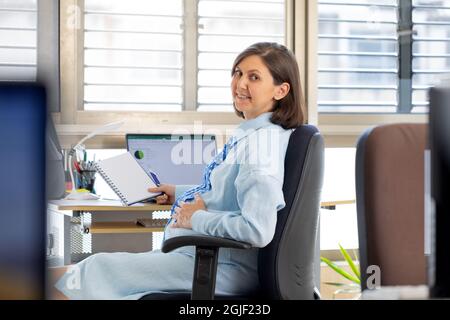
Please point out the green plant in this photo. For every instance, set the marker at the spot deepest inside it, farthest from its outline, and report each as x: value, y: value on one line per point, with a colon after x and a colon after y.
x: 355, y: 277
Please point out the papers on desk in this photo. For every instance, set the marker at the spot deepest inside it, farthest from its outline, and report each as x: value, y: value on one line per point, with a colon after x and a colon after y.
x: 92, y: 203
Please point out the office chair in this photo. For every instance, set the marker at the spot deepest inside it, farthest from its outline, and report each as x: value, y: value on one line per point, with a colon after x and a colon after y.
x: 390, y: 203
x: 286, y: 264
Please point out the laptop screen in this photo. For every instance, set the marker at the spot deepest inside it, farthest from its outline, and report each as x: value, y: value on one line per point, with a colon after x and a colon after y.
x: 175, y: 159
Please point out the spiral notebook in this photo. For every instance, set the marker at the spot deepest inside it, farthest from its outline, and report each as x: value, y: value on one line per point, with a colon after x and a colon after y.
x: 127, y: 178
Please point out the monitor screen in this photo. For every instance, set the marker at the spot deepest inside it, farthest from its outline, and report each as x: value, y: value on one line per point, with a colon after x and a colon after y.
x: 22, y: 191
x: 175, y: 159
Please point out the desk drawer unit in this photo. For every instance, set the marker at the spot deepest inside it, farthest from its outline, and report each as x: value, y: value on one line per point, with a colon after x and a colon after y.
x: 74, y: 235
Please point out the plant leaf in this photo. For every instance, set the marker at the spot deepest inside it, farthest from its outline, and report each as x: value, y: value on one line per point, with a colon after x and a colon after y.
x: 339, y: 270
x: 356, y: 256
x: 350, y: 262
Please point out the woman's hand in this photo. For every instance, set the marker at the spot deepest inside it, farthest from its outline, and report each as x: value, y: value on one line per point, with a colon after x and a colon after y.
x: 184, y: 212
x: 169, y: 193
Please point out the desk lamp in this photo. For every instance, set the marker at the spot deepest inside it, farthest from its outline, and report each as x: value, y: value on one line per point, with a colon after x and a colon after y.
x: 74, y: 195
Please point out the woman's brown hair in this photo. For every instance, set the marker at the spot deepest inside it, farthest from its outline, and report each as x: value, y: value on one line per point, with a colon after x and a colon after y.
x: 281, y: 62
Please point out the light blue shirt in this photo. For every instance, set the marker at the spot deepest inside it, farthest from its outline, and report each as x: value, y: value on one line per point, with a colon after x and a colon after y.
x: 246, y: 191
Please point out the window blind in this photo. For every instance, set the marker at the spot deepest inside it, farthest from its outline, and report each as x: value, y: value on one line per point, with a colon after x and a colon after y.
x: 431, y: 48
x: 18, y: 40
x: 225, y: 29
x: 357, y: 56
x: 133, y: 55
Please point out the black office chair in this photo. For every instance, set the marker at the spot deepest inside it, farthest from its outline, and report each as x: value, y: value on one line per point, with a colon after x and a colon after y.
x: 286, y: 264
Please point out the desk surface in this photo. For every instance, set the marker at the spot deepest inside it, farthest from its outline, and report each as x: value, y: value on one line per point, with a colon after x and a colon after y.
x: 126, y: 226
x: 113, y: 205
x: 336, y: 203
x: 104, y: 205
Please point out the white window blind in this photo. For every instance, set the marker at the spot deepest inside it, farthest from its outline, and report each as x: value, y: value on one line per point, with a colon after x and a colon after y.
x: 18, y: 40
x: 133, y: 55
x: 358, y: 53
x: 431, y: 48
x: 225, y: 29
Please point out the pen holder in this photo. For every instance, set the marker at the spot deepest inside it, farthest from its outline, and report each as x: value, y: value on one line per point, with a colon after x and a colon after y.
x: 85, y: 179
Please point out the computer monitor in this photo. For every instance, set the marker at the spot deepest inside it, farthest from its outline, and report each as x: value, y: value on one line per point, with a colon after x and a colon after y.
x: 176, y: 159
x: 439, y: 138
x: 22, y: 191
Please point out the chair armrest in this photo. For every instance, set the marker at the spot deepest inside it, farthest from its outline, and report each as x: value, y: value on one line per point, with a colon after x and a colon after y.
x: 203, y: 241
x: 206, y: 257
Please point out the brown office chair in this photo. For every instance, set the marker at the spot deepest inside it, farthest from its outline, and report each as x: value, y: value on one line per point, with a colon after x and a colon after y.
x: 390, y: 203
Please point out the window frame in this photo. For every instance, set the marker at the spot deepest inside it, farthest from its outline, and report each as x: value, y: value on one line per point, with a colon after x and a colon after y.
x: 344, y: 129
x: 73, y: 122
x: 338, y: 129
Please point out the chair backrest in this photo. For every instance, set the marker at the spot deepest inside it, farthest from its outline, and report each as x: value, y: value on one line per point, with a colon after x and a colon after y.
x: 390, y: 203
x: 286, y: 265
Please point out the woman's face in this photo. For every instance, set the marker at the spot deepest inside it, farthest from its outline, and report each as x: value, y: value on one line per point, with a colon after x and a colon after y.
x: 253, y: 89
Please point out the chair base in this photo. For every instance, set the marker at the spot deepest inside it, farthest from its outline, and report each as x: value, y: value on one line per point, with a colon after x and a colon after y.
x: 187, y: 296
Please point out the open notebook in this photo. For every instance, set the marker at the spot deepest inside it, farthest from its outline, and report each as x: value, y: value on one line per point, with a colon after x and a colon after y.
x: 127, y: 178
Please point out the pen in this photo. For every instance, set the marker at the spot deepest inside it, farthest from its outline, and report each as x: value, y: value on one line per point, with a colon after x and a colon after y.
x: 77, y: 166
x: 155, y: 179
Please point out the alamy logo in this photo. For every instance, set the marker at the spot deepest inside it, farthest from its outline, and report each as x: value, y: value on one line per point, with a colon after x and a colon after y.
x: 73, y: 281
x: 257, y: 149
x: 374, y: 277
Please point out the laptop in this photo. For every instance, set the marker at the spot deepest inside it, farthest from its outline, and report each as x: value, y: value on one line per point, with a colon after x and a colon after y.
x: 175, y: 159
